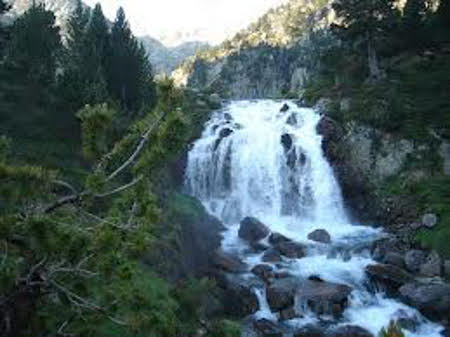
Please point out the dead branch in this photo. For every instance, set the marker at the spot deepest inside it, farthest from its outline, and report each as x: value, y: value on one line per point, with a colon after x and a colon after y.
x: 119, y: 189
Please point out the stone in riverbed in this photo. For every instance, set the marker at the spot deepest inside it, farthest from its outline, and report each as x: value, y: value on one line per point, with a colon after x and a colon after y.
x: 432, y: 300
x: 277, y: 238
x: 320, y: 235
x: 324, y: 298
x: 286, y: 141
x: 350, y: 331
x: 429, y: 220
x: 394, y: 259
x: 266, y: 328
x: 391, y: 277
x: 288, y: 314
x: 263, y: 271
x: 271, y: 255
x: 253, y: 230
x: 284, y: 108
x: 309, y: 331
x: 281, y: 294
x: 414, y: 259
x: 238, y: 300
x: 432, y: 266
x: 229, y: 263
x: 291, y: 249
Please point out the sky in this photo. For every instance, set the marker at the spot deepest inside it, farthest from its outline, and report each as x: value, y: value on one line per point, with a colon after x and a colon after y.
x: 175, y: 21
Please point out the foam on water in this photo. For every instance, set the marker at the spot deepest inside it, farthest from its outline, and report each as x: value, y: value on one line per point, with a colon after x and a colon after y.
x: 240, y: 167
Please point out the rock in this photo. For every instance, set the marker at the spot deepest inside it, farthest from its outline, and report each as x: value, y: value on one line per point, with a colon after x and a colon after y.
x: 281, y: 294
x: 277, y: 238
x: 309, y: 331
x: 266, y: 328
x: 432, y: 300
x: 391, y: 277
x: 253, y: 230
x: 323, y: 105
x: 284, y: 108
x: 394, y: 259
x: 271, y: 255
x: 224, y: 133
x: 345, y: 104
x: 432, y: 266
x: 291, y: 159
x: 324, y: 298
x: 215, y: 100
x: 291, y: 249
x: 320, y: 235
x: 429, y: 220
x: 414, y: 259
x: 447, y: 269
x: 259, y: 247
x: 385, y: 246
x: 292, y: 120
x: 329, y: 129
x: 350, y: 331
x: 288, y: 314
x: 264, y: 271
x: 229, y: 263
x: 286, y: 141
x: 406, y: 320
x: 238, y: 299
x: 283, y: 274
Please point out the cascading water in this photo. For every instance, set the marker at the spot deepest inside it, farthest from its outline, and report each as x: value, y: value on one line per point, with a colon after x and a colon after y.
x: 255, y: 160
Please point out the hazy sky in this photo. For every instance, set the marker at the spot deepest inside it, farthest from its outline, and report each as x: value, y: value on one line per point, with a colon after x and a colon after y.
x: 175, y: 20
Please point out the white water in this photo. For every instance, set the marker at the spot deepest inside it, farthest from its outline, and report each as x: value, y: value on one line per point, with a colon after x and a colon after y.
x: 249, y: 173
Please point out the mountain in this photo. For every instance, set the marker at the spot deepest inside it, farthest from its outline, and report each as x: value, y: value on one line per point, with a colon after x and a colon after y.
x: 166, y: 59
x: 274, y: 56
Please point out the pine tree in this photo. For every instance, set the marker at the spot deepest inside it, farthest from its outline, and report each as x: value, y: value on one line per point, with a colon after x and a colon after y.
x: 129, y: 71
x: 414, y: 15
x: 444, y: 12
x: 366, y: 23
x: 4, y: 7
x: 35, y: 44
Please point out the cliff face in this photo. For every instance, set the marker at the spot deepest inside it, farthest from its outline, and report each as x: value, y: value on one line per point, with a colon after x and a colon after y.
x: 271, y: 58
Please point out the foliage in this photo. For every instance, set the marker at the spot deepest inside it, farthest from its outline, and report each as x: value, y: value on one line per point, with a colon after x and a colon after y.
x: 393, y: 330
x: 226, y: 328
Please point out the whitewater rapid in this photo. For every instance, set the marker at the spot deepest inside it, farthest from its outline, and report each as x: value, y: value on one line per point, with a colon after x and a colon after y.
x: 255, y: 160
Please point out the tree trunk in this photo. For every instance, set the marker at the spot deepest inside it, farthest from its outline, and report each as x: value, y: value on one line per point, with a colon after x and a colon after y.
x: 375, y: 73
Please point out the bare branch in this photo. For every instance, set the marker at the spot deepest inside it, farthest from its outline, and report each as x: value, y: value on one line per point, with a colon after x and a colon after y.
x: 140, y: 146
x: 119, y: 189
x: 65, y: 184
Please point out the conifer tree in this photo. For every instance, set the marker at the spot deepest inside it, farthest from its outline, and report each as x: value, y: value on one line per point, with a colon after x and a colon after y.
x: 4, y: 7
x: 35, y: 44
x: 414, y: 15
x: 444, y: 12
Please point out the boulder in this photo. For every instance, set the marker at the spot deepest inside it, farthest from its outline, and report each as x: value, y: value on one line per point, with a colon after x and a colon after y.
x: 350, y: 331
x: 284, y: 108
x: 224, y: 133
x: 288, y: 314
x: 281, y: 294
x: 271, y: 255
x: 324, y: 298
x: 429, y: 220
x: 229, y: 263
x: 287, y: 142
x: 447, y: 269
x: 394, y: 259
x: 406, y: 320
x: 291, y: 249
x: 263, y: 271
x: 266, y: 328
x: 277, y: 238
x: 432, y: 300
x: 292, y: 120
x: 309, y: 331
x: 391, y: 277
x: 329, y: 129
x: 432, y: 266
x: 238, y: 300
x: 414, y: 259
x: 215, y: 100
x: 320, y: 235
x: 253, y: 230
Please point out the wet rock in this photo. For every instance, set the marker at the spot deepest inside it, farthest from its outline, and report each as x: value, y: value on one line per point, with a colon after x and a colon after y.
x: 288, y: 314
x: 291, y: 249
x: 224, y: 133
x: 447, y: 269
x: 406, y: 320
x: 320, y: 235
x: 271, y: 255
x: 253, y: 230
x: 264, y: 271
x: 329, y: 129
x: 259, y: 247
x: 350, y: 331
x: 286, y: 141
x: 291, y: 159
x: 266, y: 328
x: 229, y: 263
x: 309, y: 331
x: 277, y: 238
x: 284, y: 108
x: 394, y: 259
x: 302, y: 159
x: 238, y: 300
x: 228, y: 117
x: 281, y: 294
x: 385, y: 246
x: 414, y: 259
x: 432, y: 300
x: 429, y: 220
x: 391, y: 277
x: 283, y: 274
x: 324, y: 298
x: 292, y: 120
x: 432, y: 266
x: 215, y: 100
x: 345, y: 104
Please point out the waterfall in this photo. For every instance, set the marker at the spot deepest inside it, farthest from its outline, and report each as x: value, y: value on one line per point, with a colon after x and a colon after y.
x: 255, y: 159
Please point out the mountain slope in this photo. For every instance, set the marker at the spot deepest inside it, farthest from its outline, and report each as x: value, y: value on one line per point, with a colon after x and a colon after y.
x: 270, y: 58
